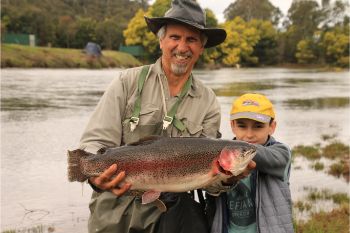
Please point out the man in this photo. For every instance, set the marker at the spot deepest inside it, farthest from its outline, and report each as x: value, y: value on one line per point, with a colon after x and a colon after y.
x: 165, y: 100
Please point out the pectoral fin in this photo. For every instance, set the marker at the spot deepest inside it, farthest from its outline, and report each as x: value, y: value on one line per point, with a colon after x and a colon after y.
x: 150, y: 196
x: 161, y: 206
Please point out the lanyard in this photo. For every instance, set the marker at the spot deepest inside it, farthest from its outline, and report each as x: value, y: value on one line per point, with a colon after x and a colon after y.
x: 169, y: 118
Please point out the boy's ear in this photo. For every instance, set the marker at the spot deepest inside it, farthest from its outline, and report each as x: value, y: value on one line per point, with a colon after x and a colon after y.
x: 232, y: 124
x: 272, y: 127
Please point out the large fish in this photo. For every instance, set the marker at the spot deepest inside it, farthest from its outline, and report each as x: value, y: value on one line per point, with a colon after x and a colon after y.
x: 160, y: 164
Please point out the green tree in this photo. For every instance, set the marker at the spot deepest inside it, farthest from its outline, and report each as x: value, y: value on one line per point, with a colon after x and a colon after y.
x: 85, y: 32
x: 253, y: 9
x: 109, y: 34
x: 65, y: 31
x: 137, y: 32
x: 239, y: 44
x: 305, y: 54
x: 336, y: 46
x: 266, y: 48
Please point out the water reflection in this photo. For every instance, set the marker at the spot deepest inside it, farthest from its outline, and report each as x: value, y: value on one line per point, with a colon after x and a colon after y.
x: 239, y: 88
x: 318, y: 103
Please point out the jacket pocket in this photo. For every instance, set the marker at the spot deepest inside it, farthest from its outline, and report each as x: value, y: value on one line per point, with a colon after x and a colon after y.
x: 192, y: 129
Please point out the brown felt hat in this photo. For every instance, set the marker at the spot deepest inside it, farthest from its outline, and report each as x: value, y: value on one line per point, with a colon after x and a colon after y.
x: 188, y: 12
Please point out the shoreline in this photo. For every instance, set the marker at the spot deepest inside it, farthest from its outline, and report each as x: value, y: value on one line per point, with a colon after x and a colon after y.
x: 26, y: 57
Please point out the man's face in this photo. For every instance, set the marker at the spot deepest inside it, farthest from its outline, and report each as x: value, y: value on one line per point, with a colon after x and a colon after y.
x: 181, y: 48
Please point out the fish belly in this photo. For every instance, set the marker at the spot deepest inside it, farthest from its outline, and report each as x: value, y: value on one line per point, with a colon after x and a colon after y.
x: 173, y: 184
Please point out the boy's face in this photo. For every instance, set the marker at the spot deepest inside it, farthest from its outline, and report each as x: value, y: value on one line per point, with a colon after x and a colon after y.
x: 252, y: 131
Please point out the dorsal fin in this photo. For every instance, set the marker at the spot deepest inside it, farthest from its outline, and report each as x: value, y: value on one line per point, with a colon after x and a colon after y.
x: 146, y: 140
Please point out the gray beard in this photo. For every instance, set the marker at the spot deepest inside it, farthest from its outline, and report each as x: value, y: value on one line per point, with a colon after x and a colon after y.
x: 178, y: 69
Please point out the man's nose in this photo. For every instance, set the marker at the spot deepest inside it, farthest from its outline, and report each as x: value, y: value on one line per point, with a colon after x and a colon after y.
x: 182, y: 46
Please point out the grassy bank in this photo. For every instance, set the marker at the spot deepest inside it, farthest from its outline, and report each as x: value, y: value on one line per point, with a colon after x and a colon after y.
x: 43, y: 57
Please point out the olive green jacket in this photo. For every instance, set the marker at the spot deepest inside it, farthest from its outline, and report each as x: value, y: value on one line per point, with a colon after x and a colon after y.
x: 109, y: 126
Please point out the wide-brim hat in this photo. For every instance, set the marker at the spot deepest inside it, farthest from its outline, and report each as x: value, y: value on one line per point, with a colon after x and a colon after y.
x: 188, y: 12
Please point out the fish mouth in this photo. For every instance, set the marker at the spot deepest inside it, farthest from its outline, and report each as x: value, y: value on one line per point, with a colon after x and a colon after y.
x: 222, y: 170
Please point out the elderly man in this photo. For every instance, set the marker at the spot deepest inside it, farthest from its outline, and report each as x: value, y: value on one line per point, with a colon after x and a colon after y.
x: 161, y: 99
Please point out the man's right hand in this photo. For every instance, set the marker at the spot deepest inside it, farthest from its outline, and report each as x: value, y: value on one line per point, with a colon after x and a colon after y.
x: 110, y: 181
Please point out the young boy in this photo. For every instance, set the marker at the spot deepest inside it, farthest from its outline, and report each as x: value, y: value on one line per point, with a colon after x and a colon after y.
x: 261, y: 202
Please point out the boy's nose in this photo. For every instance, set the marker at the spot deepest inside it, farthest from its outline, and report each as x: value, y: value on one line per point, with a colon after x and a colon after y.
x: 250, y: 133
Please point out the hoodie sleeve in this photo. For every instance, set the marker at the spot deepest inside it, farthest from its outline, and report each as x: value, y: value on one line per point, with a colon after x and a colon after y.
x: 273, y: 160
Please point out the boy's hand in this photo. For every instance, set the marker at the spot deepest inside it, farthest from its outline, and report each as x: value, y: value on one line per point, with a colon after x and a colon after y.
x: 234, y: 179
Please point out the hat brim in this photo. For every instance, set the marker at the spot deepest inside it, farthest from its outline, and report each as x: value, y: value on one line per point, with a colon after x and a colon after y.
x: 251, y: 115
x: 215, y: 35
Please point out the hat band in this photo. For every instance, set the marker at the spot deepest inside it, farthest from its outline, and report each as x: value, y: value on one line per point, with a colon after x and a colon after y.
x: 251, y: 115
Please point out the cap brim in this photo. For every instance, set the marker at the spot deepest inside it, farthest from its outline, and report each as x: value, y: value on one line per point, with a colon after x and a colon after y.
x: 215, y: 35
x: 251, y: 115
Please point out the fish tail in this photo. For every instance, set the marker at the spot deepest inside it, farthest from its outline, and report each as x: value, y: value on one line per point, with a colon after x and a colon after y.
x: 74, y: 168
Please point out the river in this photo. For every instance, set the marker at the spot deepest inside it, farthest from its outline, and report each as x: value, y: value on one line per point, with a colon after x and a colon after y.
x: 44, y: 111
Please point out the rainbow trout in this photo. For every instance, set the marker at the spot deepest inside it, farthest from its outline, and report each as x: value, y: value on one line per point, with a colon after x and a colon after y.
x: 160, y: 164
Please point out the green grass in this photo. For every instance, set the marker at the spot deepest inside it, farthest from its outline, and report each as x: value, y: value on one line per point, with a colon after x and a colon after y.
x: 336, y: 150
x: 309, y: 152
x: 44, y: 57
x: 318, y: 166
x: 326, y: 222
x: 35, y: 229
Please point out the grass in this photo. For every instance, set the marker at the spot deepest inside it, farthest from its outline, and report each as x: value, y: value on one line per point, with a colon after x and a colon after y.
x: 336, y: 151
x: 310, y: 152
x: 35, y: 229
x: 336, y: 220
x: 318, y: 166
x: 326, y: 222
x: 13, y: 55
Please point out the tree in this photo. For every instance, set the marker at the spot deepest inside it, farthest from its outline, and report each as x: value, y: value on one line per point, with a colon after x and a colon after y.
x: 336, y: 46
x: 65, y: 31
x: 109, y: 34
x: 137, y: 32
x: 266, y: 48
x: 85, y: 32
x: 305, y: 16
x: 239, y: 44
x: 253, y: 9
x: 305, y: 54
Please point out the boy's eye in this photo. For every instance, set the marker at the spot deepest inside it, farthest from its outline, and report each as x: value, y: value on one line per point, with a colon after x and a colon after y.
x: 259, y: 126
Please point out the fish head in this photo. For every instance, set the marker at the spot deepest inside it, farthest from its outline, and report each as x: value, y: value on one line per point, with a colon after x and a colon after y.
x: 233, y: 159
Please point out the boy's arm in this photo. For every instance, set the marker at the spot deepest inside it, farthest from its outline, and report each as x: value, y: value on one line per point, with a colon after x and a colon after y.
x: 273, y: 160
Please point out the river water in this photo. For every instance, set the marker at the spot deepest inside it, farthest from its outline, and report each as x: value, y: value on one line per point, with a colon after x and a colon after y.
x: 44, y: 111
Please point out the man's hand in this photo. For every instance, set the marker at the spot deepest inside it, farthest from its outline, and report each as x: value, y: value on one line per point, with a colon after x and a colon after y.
x: 110, y: 181
x: 234, y: 179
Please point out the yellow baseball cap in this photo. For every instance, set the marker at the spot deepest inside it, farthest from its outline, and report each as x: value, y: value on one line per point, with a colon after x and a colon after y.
x: 252, y: 106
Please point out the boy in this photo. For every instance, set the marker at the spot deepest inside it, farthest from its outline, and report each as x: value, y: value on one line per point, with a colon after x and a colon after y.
x: 261, y: 202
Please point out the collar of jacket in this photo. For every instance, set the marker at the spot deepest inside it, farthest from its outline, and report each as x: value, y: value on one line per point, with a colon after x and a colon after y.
x: 194, y: 90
